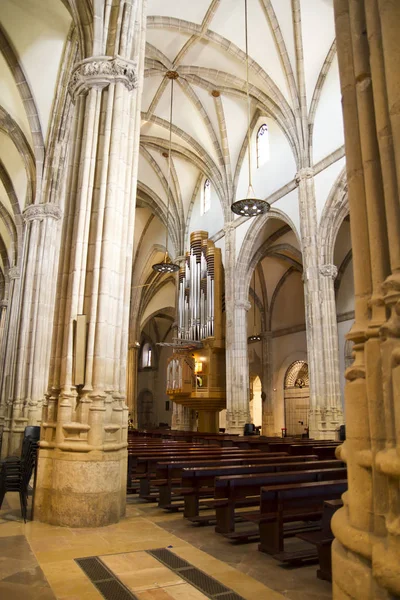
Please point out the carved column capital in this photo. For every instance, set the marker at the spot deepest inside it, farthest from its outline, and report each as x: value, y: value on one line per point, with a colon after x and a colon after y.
x: 329, y: 271
x: 243, y: 304
x: 305, y: 173
x: 3, y: 303
x: 42, y: 211
x: 100, y: 71
x: 179, y: 259
x: 14, y: 273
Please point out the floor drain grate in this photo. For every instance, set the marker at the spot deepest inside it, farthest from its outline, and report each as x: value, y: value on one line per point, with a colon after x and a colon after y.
x: 169, y: 559
x: 209, y: 586
x: 105, y: 581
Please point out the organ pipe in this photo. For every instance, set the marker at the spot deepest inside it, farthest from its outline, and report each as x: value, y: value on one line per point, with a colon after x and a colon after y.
x: 196, y: 298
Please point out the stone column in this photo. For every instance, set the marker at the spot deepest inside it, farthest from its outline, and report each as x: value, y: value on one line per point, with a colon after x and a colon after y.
x: 3, y: 315
x: 311, y: 278
x: 81, y: 480
x: 30, y: 374
x: 8, y: 356
x: 181, y: 418
x: 365, y: 553
x: 268, y: 423
x: 321, y: 329
x: 237, y: 358
x: 333, y: 415
x: 237, y: 368
x: 131, y: 386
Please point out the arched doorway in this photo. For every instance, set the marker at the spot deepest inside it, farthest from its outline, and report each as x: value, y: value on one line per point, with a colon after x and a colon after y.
x: 256, y: 402
x: 297, y: 398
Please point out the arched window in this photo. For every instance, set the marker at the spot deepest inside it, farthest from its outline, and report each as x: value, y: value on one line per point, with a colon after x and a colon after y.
x: 147, y: 356
x: 205, y: 197
x: 262, y: 144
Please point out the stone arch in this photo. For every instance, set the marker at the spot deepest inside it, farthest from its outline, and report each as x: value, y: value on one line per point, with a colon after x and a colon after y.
x: 279, y: 385
x: 28, y: 101
x: 17, y: 136
x: 297, y: 370
x: 297, y: 398
x: 248, y: 257
x: 335, y: 210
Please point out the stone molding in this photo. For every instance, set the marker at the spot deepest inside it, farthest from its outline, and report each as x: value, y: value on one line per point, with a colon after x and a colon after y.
x: 243, y: 304
x: 4, y: 304
x: 100, y: 71
x: 305, y: 173
x: 229, y: 227
x: 329, y: 271
x: 14, y: 273
x: 42, y: 211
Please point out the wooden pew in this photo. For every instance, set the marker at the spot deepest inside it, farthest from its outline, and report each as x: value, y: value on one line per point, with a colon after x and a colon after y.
x: 290, y: 503
x: 323, y: 539
x: 199, y: 481
x: 146, y: 465
x: 169, y: 474
x: 238, y: 491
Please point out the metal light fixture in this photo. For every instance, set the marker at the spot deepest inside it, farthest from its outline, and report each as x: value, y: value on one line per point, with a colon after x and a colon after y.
x: 256, y: 337
x: 249, y: 206
x: 167, y: 266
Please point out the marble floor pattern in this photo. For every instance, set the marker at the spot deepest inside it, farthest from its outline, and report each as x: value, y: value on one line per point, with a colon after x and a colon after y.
x: 37, y: 561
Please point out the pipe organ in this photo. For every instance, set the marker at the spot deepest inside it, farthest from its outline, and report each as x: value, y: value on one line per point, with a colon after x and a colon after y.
x: 200, y: 290
x: 196, y: 370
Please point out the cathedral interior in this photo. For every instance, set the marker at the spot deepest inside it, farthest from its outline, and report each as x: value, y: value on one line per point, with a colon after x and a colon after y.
x: 199, y: 299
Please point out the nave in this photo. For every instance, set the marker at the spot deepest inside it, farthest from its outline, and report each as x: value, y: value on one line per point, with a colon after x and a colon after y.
x: 200, y: 234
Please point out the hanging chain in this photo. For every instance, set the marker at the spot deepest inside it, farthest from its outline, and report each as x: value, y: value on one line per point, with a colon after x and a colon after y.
x: 247, y: 91
x: 169, y: 167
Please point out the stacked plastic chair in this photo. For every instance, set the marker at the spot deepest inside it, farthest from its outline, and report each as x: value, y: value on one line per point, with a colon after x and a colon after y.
x: 16, y: 472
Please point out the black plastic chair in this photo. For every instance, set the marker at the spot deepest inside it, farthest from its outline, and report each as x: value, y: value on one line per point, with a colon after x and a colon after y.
x: 16, y: 472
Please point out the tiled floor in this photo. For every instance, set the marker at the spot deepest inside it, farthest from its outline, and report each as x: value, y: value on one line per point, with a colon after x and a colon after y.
x: 37, y: 560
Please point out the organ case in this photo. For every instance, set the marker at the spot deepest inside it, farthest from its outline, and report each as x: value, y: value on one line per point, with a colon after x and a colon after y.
x: 196, y: 370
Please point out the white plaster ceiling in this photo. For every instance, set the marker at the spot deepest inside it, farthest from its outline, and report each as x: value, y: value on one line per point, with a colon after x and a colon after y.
x: 33, y: 39
x: 204, y: 42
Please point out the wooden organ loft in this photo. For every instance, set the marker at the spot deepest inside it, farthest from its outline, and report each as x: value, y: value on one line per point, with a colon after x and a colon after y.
x: 196, y: 370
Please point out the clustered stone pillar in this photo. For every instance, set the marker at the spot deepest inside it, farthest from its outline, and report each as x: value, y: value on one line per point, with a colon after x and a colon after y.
x: 268, y: 422
x: 333, y: 414
x: 8, y: 357
x: 131, y: 385
x: 366, y: 551
x: 237, y: 358
x: 182, y: 418
x: 3, y: 314
x: 36, y: 309
x: 322, y: 344
x: 81, y: 478
x: 237, y: 368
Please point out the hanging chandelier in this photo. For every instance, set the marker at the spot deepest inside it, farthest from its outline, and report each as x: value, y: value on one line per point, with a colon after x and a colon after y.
x: 256, y: 337
x: 167, y: 266
x: 249, y: 206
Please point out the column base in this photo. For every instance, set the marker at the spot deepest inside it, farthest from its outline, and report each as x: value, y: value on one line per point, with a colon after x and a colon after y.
x: 74, y: 489
x: 236, y: 420
x: 268, y: 425
x: 324, y: 424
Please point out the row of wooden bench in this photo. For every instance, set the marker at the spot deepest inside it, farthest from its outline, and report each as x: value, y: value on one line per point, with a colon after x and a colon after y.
x: 286, y: 492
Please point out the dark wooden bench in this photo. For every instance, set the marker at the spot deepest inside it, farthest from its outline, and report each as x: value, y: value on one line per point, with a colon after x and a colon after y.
x: 323, y: 539
x: 168, y: 478
x: 146, y: 466
x: 238, y: 491
x: 199, y: 482
x: 292, y: 503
